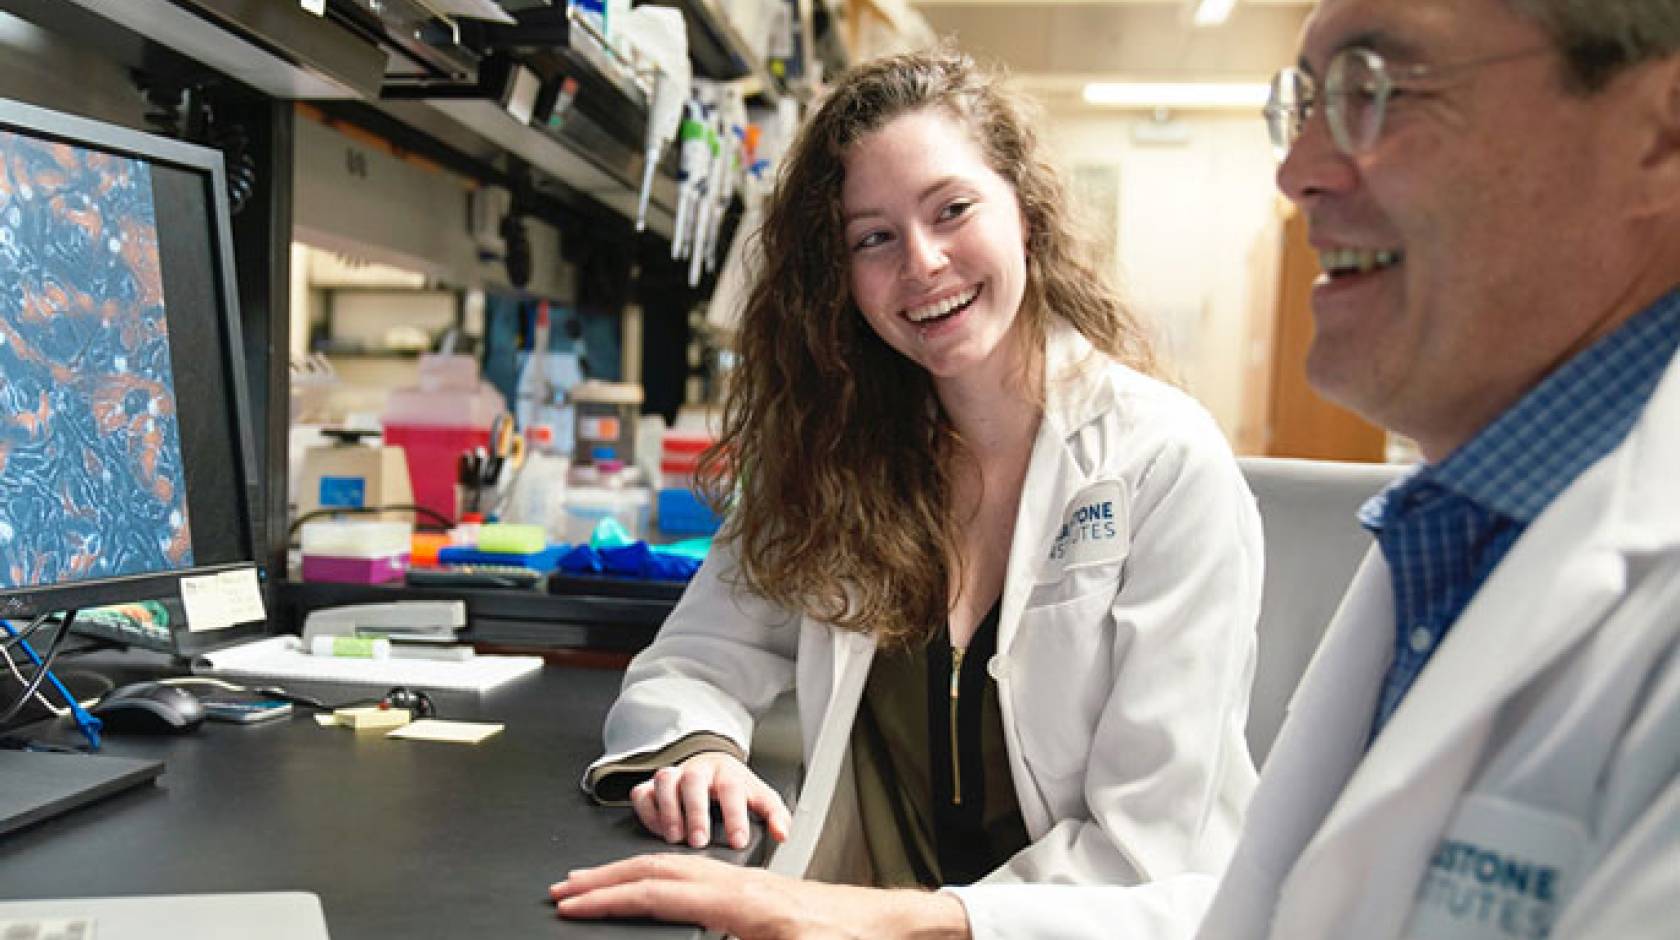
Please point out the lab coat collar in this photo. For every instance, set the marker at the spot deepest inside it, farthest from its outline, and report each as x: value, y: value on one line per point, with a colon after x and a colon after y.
x: 1645, y: 517
x: 1076, y: 386
x: 1077, y: 391
x: 1536, y: 605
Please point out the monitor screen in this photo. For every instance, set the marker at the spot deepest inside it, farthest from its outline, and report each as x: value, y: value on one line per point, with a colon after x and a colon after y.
x: 125, y: 455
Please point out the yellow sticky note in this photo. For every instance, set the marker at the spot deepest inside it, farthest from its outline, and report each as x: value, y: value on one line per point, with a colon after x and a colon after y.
x: 372, y: 716
x: 452, y: 732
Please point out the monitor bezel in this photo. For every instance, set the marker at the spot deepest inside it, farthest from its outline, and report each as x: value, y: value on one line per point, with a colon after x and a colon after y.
x: 30, y: 120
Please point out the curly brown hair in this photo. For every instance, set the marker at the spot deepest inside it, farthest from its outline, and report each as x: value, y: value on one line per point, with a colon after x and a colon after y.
x: 835, y: 459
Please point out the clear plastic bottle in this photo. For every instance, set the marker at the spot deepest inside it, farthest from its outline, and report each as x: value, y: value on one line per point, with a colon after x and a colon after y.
x: 533, y: 395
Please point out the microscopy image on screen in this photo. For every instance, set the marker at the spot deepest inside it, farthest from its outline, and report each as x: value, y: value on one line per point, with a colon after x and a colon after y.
x: 91, y: 480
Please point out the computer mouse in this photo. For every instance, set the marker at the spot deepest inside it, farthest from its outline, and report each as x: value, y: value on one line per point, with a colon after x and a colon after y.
x: 149, y: 708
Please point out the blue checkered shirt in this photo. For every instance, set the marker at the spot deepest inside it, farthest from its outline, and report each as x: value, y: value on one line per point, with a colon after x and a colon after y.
x: 1444, y: 527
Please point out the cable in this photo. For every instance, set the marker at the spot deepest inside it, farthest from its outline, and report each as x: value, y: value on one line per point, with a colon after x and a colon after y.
x: 11, y: 666
x: 297, y: 523
x: 271, y: 691
x: 15, y: 638
x: 397, y: 697
x: 101, y: 679
x: 188, y: 112
x: 204, y: 680
x: 46, y: 703
x: 241, y: 168
x: 43, y: 668
x: 90, y: 726
x: 274, y: 691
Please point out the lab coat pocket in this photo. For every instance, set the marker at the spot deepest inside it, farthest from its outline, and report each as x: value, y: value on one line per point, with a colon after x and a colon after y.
x: 1060, y: 668
x: 1502, y: 869
x: 1056, y: 590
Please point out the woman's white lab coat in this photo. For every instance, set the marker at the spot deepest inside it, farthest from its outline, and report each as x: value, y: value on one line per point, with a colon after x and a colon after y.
x: 1526, y: 786
x: 1126, y: 650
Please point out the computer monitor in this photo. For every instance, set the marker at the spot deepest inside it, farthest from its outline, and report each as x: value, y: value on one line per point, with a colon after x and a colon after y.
x: 126, y: 461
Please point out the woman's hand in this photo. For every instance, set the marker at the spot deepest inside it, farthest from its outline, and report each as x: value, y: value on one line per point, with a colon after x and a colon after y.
x: 676, y: 802
x: 752, y: 904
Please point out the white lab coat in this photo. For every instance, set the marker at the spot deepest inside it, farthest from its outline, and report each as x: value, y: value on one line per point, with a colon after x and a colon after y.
x: 1545, y: 729
x: 1123, y: 671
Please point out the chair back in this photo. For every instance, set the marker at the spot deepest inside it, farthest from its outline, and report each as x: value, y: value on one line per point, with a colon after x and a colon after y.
x: 1313, y: 545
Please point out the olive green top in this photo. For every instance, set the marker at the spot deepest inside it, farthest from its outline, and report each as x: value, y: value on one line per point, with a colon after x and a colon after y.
x: 934, y: 789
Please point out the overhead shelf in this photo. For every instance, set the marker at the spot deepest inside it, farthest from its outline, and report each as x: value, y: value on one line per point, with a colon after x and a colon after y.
x: 485, y: 90
x: 612, y: 186
x: 276, y: 48
x: 557, y: 32
x: 719, y: 52
x: 425, y: 46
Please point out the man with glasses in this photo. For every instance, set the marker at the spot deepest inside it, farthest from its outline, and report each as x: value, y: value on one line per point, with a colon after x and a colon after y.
x: 1487, y: 743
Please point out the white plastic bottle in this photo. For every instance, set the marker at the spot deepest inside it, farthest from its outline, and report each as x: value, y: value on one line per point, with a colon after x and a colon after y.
x: 534, y: 395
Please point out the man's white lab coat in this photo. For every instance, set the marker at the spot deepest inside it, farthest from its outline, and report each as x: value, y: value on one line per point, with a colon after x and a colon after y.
x: 1528, y: 783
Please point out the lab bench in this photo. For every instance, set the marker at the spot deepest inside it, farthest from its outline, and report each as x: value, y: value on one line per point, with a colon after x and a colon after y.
x: 397, y: 838
x: 574, y: 618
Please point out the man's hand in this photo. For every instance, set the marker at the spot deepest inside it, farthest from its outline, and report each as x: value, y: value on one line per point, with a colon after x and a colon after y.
x: 753, y: 904
x: 676, y: 802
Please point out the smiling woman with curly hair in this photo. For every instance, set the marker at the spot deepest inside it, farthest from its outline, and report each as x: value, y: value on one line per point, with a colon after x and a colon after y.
x: 822, y: 416
x: 1012, y: 578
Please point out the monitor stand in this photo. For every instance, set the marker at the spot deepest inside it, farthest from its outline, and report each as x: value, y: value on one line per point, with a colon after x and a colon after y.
x: 38, y: 785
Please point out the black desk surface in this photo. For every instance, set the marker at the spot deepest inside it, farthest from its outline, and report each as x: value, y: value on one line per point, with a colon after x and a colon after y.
x: 401, y: 839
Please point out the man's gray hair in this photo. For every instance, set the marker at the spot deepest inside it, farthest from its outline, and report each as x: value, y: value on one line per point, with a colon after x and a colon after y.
x: 1599, y: 38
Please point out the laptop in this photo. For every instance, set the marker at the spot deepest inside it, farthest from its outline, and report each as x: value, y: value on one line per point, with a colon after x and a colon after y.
x: 278, y: 915
x: 38, y: 785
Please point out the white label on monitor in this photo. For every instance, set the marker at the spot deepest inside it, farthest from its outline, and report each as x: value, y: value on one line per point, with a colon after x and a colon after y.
x: 244, y: 595
x: 218, y: 601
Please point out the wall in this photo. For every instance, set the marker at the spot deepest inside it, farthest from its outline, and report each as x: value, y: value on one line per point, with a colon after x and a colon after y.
x: 1076, y: 42
x: 1189, y: 216
x: 372, y: 318
x: 353, y: 197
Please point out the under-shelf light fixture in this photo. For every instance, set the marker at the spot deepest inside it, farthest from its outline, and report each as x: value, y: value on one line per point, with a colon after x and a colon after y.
x: 1212, y: 12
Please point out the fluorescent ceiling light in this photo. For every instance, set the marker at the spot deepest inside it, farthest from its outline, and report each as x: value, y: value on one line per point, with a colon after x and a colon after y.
x: 1231, y: 95
x: 1212, y: 12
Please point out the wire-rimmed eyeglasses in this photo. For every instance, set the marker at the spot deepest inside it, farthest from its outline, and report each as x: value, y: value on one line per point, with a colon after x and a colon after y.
x: 1358, y: 83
